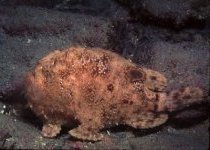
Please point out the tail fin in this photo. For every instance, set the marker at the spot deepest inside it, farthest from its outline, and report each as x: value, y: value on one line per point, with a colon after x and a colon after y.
x: 184, y: 97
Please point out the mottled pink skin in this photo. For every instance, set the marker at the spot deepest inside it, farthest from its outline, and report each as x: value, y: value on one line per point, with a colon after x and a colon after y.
x: 94, y: 89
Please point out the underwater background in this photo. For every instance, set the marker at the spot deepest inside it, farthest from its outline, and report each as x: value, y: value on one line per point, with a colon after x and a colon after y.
x: 170, y: 36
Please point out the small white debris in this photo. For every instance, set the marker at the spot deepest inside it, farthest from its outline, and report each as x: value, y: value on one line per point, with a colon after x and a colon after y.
x: 45, y: 116
x: 90, y: 143
x: 108, y: 132
x: 9, y: 139
x: 43, y: 144
x: 171, y: 130
x: 2, y: 111
x: 14, y: 111
x: 8, y: 113
x: 4, y: 106
x: 29, y: 41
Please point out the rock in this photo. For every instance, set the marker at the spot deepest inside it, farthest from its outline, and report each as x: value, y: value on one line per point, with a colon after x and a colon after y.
x: 104, y: 8
x: 4, y: 135
x: 46, y: 3
x: 170, y: 13
x: 6, y: 141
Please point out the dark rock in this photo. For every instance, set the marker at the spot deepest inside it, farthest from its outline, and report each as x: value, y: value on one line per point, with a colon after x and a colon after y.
x: 6, y: 141
x: 4, y: 134
x: 170, y: 13
x: 105, y: 8
x: 45, y: 3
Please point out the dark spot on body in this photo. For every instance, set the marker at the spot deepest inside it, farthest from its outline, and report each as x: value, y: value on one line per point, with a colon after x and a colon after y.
x: 110, y: 87
x: 90, y: 90
x: 79, y: 104
x: 113, y: 106
x: 155, y: 107
x: 140, y: 120
x: 121, y: 119
x: 90, y: 95
x: 125, y: 101
x: 55, y: 61
x: 72, y: 104
x: 89, y: 129
x: 105, y: 58
x: 145, y: 103
x: 187, y: 97
x: 176, y: 95
x: 153, y: 78
x: 131, y: 102
x: 155, y: 115
x: 134, y: 74
x: 94, y: 72
x: 157, y: 97
x: 47, y: 74
x: 149, y: 122
x: 182, y: 89
x: 178, y: 103
x: 66, y: 54
x: 33, y: 73
x: 156, y: 89
x: 137, y: 111
x: 64, y: 74
x: 192, y: 91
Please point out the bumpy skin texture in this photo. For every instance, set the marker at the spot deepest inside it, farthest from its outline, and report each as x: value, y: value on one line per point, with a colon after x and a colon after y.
x: 94, y: 89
